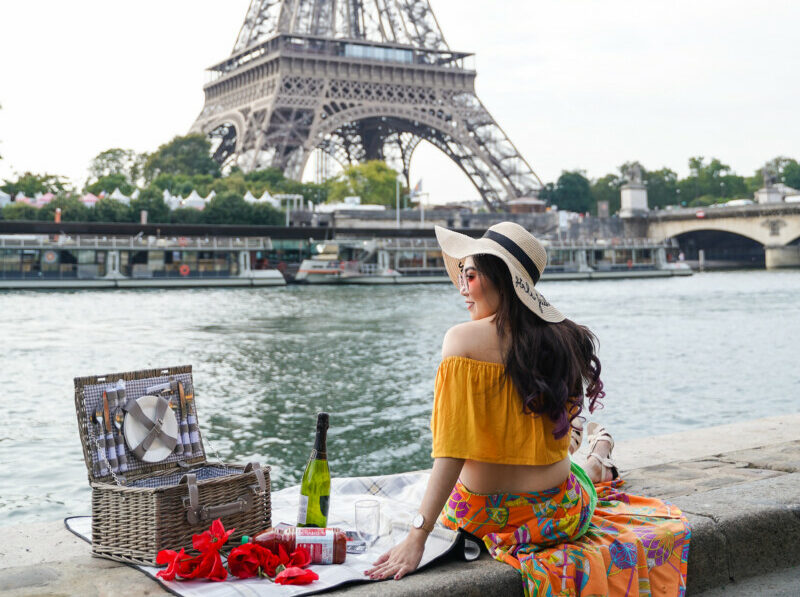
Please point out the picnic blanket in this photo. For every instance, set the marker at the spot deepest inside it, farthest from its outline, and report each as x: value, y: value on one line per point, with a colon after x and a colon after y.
x: 399, y: 497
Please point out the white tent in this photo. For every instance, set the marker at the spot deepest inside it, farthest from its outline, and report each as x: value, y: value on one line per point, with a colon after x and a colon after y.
x: 5, y: 199
x: 21, y: 198
x: 267, y: 198
x: 194, y: 200
x: 211, y: 195
x: 135, y: 194
x: 248, y: 196
x: 172, y: 201
x: 118, y: 195
x: 89, y: 199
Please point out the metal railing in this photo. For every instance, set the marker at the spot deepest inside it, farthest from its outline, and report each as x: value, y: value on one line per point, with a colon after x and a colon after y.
x: 143, y: 243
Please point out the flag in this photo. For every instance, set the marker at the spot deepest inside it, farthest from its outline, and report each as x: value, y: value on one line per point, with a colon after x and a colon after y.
x: 417, y: 188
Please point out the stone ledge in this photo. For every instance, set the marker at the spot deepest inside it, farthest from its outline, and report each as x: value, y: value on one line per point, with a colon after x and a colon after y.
x: 744, y: 507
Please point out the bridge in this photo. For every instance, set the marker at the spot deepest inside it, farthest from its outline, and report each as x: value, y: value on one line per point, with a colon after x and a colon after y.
x: 768, y: 229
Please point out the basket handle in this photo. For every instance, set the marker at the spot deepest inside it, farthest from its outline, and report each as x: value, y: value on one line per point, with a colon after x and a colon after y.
x: 197, y: 513
x: 256, y: 468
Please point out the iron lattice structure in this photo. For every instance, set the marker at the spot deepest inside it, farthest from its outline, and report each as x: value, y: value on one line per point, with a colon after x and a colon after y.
x: 357, y: 80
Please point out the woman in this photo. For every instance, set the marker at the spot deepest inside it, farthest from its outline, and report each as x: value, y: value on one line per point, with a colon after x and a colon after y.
x: 509, y: 390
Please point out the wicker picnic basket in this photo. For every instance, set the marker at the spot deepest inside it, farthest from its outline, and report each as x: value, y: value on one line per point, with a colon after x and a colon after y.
x: 139, y: 507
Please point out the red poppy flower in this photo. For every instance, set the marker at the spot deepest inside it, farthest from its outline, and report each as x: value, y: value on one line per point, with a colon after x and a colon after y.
x: 249, y: 560
x: 213, y: 539
x: 270, y: 563
x: 283, y: 557
x: 296, y: 576
x: 172, y: 560
x: 300, y: 558
x: 205, y: 565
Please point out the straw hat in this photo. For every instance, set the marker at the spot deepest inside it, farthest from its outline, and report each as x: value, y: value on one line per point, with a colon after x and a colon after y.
x: 522, y: 253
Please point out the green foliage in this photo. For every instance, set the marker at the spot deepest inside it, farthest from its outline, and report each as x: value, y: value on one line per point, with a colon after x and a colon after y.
x: 373, y: 181
x: 573, y: 192
x: 108, y: 183
x: 110, y: 210
x: 152, y: 200
x: 791, y: 175
x: 72, y: 210
x: 187, y: 155
x: 264, y: 214
x: 227, y: 209
x: 30, y: 184
x: 186, y: 215
x: 662, y: 187
x: 607, y: 189
x: 116, y: 161
x: 19, y: 211
x: 714, y: 179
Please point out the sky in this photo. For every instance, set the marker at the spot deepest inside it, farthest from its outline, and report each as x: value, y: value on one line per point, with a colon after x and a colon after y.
x: 576, y: 84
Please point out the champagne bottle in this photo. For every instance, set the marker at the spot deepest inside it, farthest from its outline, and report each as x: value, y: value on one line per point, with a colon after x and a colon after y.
x: 315, y: 489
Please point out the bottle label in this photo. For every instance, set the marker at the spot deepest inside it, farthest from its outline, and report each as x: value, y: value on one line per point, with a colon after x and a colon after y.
x: 318, y: 543
x: 302, y: 512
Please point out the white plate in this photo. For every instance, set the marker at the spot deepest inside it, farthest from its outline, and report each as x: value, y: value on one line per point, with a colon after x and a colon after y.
x: 135, y: 432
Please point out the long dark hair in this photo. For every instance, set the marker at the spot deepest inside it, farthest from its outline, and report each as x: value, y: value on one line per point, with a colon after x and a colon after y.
x: 548, y: 363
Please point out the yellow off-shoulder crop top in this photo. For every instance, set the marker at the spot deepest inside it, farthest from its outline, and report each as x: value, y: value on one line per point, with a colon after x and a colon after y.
x: 478, y: 415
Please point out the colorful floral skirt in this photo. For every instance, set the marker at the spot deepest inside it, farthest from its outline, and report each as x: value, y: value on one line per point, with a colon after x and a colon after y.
x: 629, y: 545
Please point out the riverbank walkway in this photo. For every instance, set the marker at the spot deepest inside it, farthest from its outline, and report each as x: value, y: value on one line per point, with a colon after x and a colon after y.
x: 738, y: 484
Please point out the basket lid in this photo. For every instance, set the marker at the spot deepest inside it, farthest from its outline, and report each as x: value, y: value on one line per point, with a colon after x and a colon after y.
x: 138, y: 423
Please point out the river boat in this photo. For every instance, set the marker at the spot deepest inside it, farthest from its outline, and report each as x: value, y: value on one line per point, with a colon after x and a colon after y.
x: 413, y: 261
x: 377, y: 261
x: 82, y: 261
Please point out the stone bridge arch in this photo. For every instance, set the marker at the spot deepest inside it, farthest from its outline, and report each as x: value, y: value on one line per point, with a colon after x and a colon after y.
x: 770, y: 230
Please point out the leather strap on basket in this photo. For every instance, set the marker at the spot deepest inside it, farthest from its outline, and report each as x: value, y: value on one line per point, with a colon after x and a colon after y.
x: 197, y: 513
x: 256, y: 468
x: 155, y: 428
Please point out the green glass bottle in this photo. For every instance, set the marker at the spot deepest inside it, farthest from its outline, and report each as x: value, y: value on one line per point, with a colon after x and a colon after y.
x: 315, y: 489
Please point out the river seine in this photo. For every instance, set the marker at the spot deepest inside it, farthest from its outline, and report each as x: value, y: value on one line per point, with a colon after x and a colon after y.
x: 676, y: 353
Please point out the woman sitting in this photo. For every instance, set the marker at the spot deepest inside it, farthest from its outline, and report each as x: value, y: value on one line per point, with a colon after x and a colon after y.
x: 507, y: 400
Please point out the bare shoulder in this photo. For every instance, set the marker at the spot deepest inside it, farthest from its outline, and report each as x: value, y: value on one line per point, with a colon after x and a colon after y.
x: 470, y: 339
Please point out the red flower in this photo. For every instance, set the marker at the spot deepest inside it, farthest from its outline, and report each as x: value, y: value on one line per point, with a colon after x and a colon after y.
x: 270, y: 563
x: 250, y: 559
x: 300, y: 558
x: 212, y: 539
x: 296, y: 576
x: 172, y: 560
x: 205, y: 565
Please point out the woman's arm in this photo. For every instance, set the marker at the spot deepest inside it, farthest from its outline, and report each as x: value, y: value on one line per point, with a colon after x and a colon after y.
x: 405, y: 556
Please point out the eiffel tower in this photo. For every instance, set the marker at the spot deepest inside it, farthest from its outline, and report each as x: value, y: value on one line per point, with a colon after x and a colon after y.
x: 358, y: 80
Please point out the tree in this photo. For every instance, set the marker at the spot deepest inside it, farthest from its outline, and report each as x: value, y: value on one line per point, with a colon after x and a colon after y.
x: 227, y: 209
x: 110, y: 210
x: 151, y: 200
x: 573, y: 192
x: 186, y: 215
x: 373, y: 181
x: 19, y: 211
x: 791, y: 175
x: 607, y: 189
x: 72, y: 209
x: 109, y: 182
x: 662, y: 188
x: 265, y: 215
x: 187, y: 155
x: 29, y: 184
x: 116, y: 161
x: 714, y: 179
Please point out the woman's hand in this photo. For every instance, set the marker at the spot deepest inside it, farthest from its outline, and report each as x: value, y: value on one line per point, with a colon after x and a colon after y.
x: 401, y: 559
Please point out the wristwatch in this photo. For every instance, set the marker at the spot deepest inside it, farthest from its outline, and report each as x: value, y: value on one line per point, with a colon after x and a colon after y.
x: 419, y: 523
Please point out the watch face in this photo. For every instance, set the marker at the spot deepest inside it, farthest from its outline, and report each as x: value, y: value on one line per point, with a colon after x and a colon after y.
x: 418, y: 521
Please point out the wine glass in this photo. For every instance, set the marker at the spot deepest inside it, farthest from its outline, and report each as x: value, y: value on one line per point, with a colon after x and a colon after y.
x: 368, y: 520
